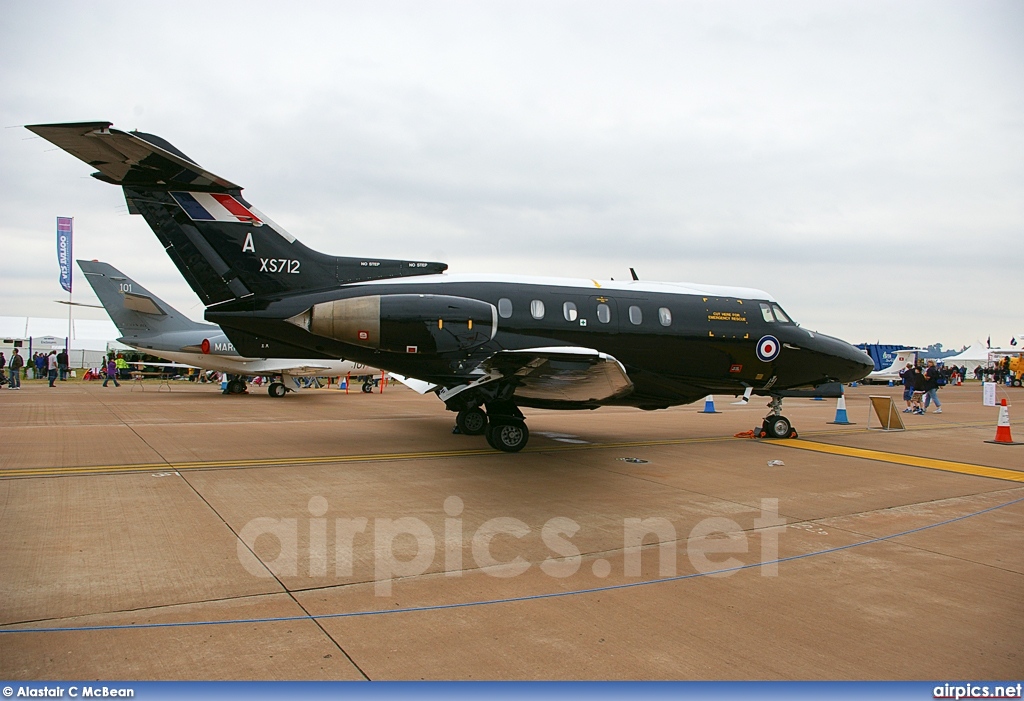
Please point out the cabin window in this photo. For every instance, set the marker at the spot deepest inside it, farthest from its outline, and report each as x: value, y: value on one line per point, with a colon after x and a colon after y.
x: 766, y: 312
x: 636, y: 316
x: 665, y: 316
x: 779, y: 314
x: 537, y: 309
x: 604, y: 313
x: 569, y: 311
x: 505, y: 308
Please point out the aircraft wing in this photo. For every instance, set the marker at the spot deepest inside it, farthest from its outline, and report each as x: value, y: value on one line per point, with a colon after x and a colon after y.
x: 418, y: 386
x: 561, y: 374
x: 305, y: 369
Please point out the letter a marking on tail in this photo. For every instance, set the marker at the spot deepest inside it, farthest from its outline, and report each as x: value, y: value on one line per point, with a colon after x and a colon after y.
x: 248, y: 245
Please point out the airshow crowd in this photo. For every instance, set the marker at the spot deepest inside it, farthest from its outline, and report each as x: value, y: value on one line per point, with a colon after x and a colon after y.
x: 921, y: 385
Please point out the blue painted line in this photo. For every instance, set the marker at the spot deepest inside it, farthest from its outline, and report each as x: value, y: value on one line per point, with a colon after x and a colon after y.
x: 491, y: 602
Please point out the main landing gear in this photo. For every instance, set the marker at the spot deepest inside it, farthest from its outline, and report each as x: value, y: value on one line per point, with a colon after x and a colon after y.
x: 277, y: 389
x: 503, y: 425
x: 775, y: 424
x: 472, y: 422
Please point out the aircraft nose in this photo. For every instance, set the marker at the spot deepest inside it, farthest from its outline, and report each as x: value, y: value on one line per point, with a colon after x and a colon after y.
x: 854, y: 364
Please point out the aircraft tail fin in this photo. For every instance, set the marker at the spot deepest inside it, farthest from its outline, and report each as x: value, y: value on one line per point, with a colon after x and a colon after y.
x: 134, y: 310
x: 224, y: 247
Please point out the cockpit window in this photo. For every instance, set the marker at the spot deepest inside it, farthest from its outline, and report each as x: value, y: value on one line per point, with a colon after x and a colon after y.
x: 779, y: 314
x: 766, y: 312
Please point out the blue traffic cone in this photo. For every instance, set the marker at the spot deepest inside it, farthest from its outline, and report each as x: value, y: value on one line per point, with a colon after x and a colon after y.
x: 841, y: 417
x: 709, y: 405
x: 818, y: 399
x: 891, y: 383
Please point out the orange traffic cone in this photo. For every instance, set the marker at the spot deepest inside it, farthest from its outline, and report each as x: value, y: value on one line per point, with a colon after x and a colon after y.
x: 1003, y: 428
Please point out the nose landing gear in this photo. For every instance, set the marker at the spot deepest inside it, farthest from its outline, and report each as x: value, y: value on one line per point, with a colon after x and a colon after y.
x: 776, y: 425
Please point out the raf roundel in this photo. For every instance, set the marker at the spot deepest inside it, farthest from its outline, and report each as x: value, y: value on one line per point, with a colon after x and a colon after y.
x: 768, y: 348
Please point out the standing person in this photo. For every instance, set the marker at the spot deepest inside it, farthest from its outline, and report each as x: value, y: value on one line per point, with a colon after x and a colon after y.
x: 907, y: 377
x: 14, y: 365
x: 920, y: 387
x: 3, y: 367
x: 933, y: 379
x: 63, y: 361
x: 111, y: 371
x: 39, y: 361
x: 51, y: 367
x: 122, y: 366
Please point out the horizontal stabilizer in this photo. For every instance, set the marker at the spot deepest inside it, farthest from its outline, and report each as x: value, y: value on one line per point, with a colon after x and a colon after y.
x: 131, y: 158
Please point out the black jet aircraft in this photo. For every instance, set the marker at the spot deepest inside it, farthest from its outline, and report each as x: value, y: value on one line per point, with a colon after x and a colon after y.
x: 485, y: 344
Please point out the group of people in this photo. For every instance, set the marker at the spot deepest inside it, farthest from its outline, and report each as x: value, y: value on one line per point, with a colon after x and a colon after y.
x: 995, y: 372
x: 52, y: 366
x: 47, y: 365
x: 921, y: 386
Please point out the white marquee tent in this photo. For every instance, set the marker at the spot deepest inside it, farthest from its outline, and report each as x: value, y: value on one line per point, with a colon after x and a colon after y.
x: 90, y: 339
x: 977, y: 354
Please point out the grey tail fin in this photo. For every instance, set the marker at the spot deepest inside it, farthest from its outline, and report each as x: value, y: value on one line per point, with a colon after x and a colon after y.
x: 135, y: 311
x: 225, y: 248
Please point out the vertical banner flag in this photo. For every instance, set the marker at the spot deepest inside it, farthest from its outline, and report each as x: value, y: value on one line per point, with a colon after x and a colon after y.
x: 64, y: 250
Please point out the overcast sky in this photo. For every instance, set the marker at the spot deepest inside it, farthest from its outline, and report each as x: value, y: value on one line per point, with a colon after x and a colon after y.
x: 861, y: 161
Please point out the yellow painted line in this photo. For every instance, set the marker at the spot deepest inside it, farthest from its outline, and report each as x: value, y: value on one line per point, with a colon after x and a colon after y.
x: 900, y: 459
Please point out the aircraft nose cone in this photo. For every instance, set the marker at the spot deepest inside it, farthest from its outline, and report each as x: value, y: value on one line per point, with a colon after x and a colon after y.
x: 866, y: 363
x: 857, y: 363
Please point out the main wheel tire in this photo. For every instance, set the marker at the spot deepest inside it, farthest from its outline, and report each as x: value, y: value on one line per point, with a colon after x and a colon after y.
x: 368, y: 387
x: 236, y: 387
x: 277, y: 389
x: 777, y: 427
x: 472, y: 422
x: 507, y: 434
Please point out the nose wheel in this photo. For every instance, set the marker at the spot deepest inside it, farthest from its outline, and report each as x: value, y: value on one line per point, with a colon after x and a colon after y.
x: 777, y: 427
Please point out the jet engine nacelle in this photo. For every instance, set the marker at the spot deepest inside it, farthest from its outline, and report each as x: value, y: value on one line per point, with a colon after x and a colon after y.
x: 403, y: 323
